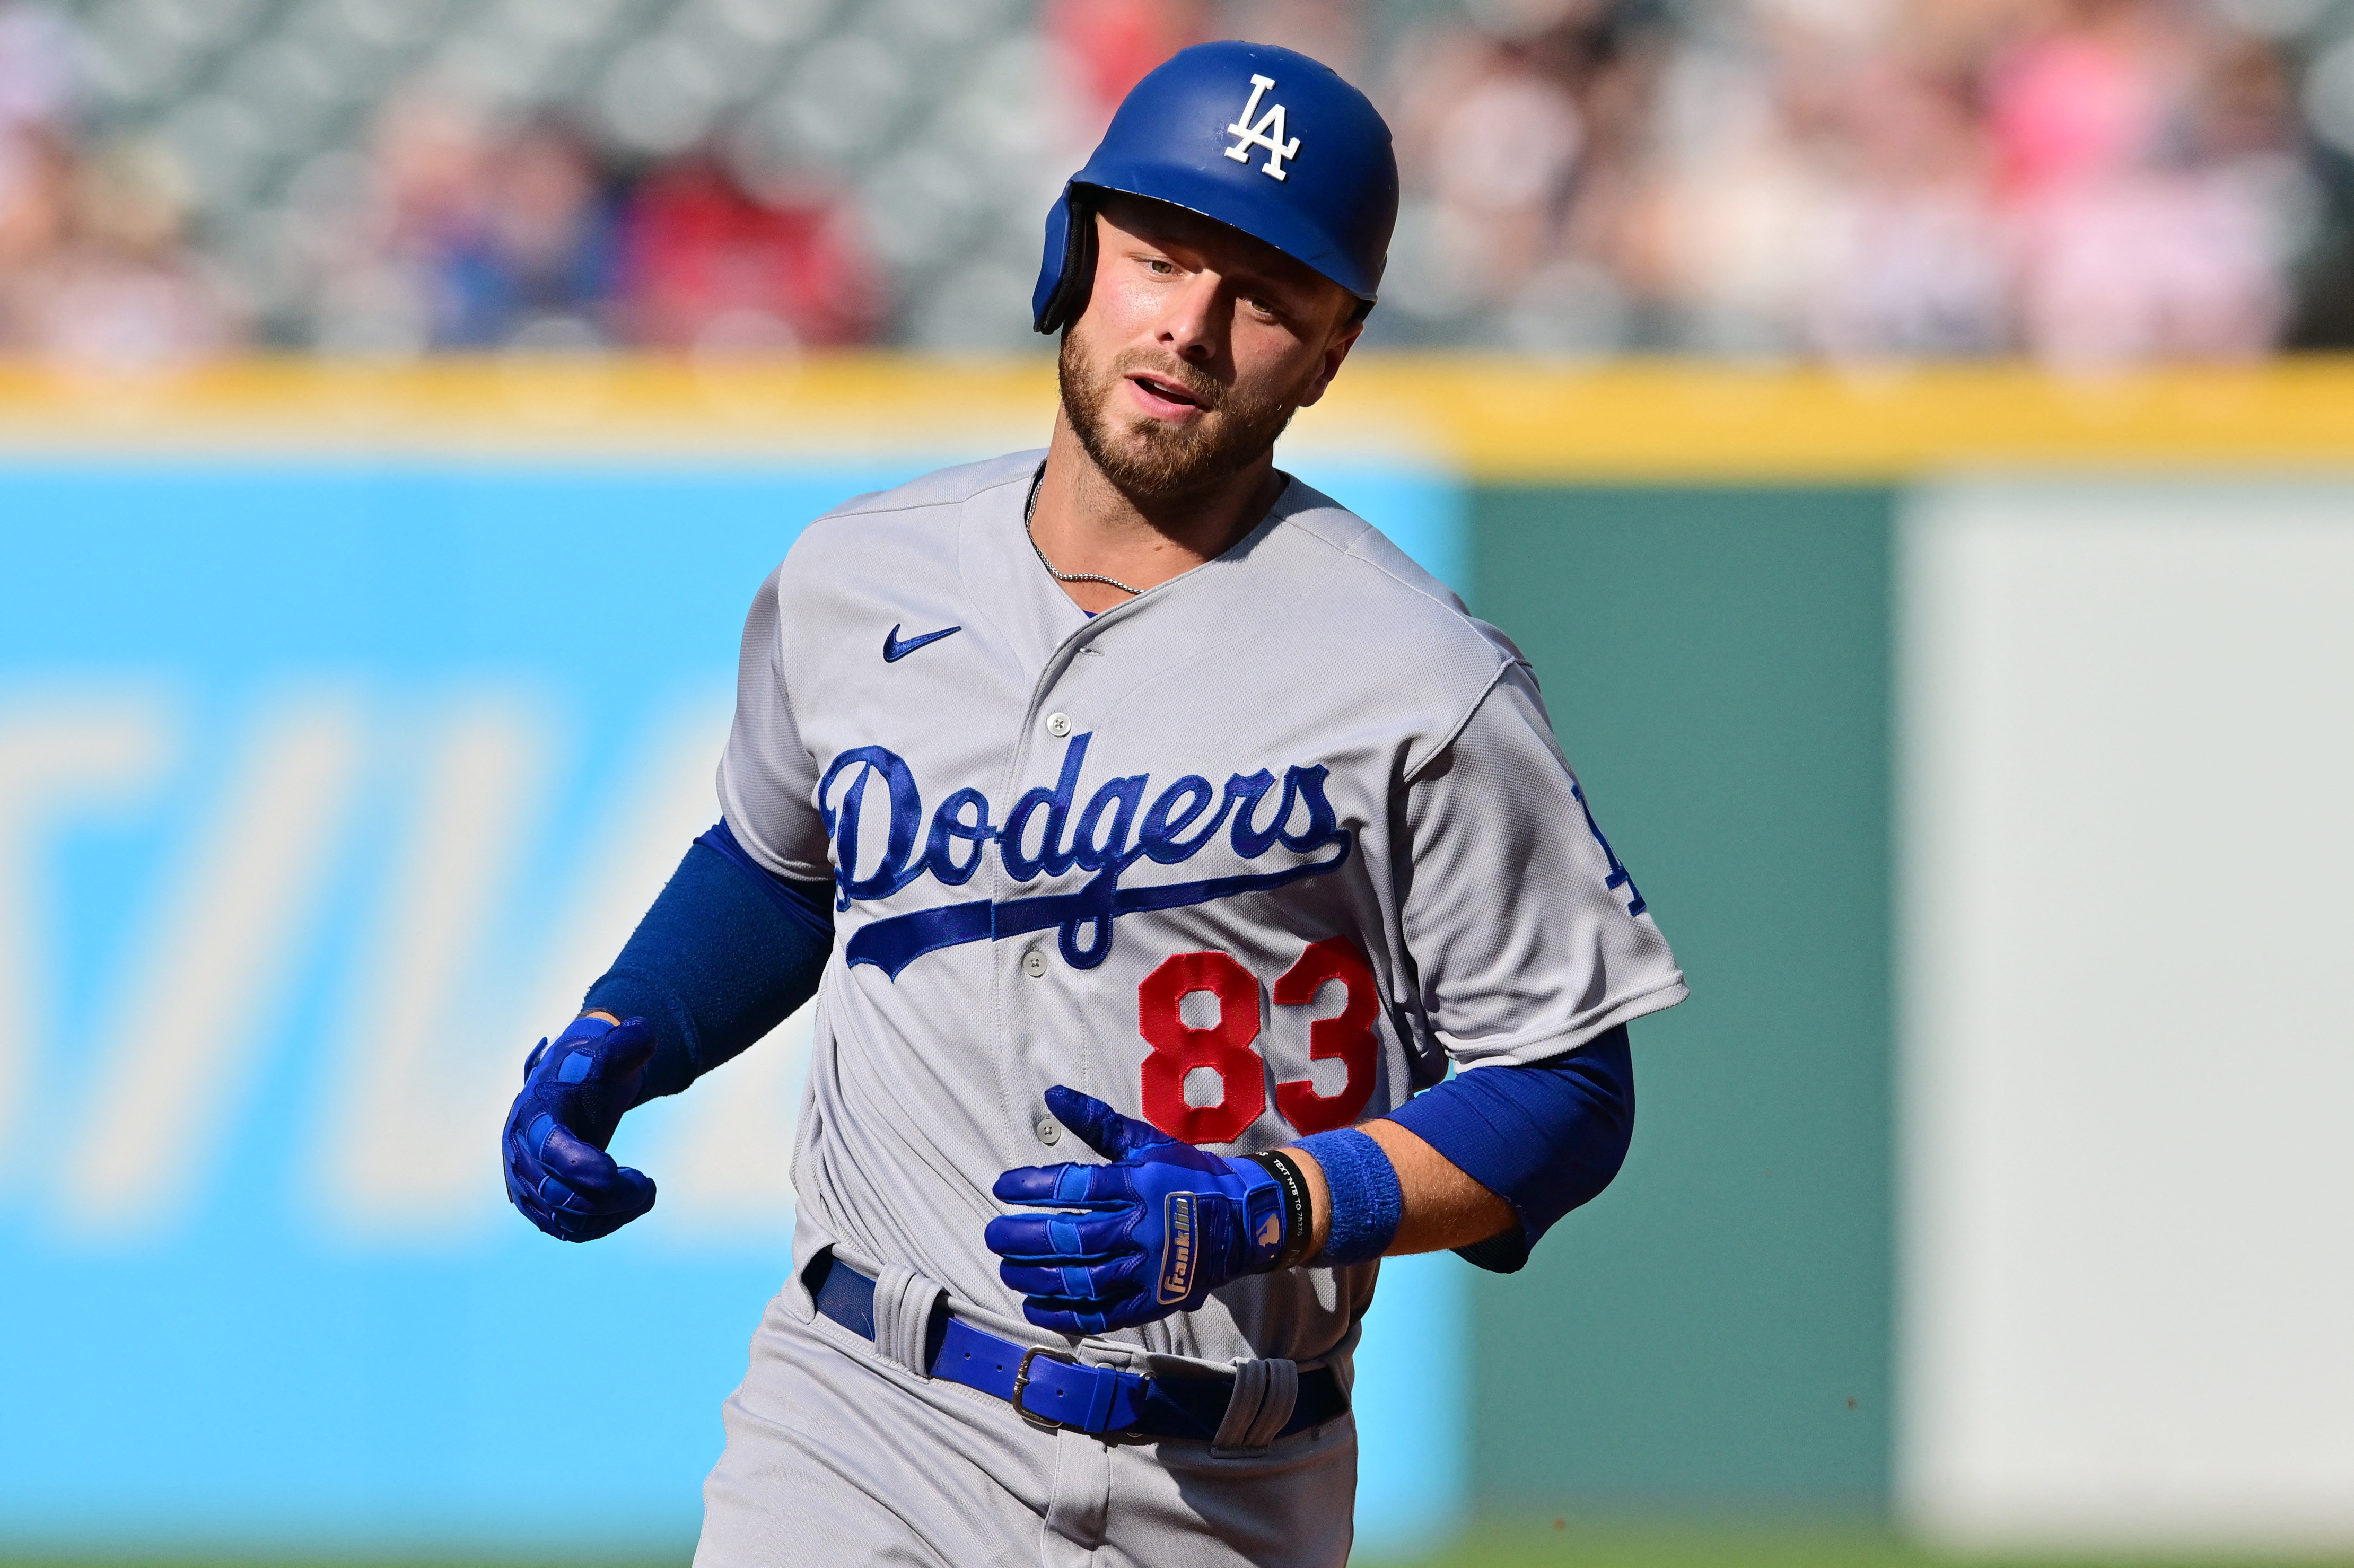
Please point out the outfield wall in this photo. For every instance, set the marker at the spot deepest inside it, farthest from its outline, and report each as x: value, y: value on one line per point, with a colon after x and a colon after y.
x: 1977, y: 738
x: 2130, y: 1043
x: 1717, y: 1326
x: 1994, y: 1168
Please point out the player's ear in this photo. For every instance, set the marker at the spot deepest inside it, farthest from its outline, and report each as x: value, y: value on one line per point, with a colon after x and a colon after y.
x: 1336, y: 349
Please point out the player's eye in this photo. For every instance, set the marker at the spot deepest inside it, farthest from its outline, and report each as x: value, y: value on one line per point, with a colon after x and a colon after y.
x: 1161, y: 266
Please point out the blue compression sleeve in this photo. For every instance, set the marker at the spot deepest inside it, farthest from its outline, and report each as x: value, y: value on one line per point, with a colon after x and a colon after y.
x: 1544, y: 1138
x: 728, y: 951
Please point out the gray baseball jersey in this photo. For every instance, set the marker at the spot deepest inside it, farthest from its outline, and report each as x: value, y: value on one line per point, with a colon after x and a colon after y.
x: 1253, y: 855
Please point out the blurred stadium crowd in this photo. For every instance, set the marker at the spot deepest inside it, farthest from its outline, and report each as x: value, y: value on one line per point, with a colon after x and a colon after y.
x: 2089, y: 181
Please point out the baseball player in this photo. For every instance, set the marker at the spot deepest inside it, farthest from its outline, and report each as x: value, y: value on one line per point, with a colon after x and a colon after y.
x: 1153, y: 837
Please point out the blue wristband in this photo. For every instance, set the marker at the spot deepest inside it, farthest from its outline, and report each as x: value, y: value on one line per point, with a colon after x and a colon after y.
x: 1364, y: 1190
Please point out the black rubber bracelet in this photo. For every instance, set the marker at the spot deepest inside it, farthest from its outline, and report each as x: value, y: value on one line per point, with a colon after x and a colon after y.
x: 1298, y: 1216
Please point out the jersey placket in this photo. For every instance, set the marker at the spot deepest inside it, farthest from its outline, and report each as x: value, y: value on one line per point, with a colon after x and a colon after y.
x: 1034, y: 1004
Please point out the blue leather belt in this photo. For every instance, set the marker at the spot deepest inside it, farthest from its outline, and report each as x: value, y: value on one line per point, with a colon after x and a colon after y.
x: 1050, y: 1387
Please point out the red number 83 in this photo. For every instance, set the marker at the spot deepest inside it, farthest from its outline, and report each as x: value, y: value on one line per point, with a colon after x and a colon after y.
x: 1224, y: 1047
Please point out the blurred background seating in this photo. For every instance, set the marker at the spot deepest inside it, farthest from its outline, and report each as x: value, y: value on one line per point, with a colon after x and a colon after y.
x: 2088, y: 181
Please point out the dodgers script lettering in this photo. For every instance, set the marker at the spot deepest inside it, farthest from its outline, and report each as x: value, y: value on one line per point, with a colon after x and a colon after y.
x: 1048, y: 832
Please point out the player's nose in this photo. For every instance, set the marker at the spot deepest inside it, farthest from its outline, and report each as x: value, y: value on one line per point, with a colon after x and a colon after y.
x: 1192, y: 327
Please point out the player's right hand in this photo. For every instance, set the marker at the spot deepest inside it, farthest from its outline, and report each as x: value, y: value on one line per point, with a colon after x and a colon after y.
x: 574, y: 1093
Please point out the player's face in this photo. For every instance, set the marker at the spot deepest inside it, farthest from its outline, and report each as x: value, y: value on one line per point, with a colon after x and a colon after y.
x: 1197, y: 345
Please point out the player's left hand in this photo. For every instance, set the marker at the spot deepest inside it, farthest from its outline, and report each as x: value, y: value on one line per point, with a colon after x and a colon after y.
x: 574, y: 1093
x: 1163, y: 1225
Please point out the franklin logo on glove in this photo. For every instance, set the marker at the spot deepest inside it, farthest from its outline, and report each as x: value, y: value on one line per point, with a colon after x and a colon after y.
x: 1177, y: 1252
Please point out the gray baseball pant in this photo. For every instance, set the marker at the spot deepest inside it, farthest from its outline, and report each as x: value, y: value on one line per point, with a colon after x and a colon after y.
x: 836, y: 1456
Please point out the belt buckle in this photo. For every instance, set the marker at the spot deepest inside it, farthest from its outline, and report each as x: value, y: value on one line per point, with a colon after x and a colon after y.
x: 1022, y: 1381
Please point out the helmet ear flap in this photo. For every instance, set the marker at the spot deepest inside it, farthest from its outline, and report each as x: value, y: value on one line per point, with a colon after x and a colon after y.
x: 1076, y: 278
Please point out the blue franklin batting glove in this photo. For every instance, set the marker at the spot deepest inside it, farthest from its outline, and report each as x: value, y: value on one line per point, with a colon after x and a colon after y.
x: 574, y: 1093
x: 1159, y: 1228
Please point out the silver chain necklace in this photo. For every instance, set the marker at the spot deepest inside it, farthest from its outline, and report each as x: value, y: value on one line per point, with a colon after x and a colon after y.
x: 1031, y: 511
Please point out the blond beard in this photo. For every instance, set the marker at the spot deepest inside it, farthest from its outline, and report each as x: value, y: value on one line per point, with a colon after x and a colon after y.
x: 1169, y: 463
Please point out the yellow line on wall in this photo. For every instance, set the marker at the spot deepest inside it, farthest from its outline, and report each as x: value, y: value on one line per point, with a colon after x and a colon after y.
x: 1672, y: 420
x: 1497, y: 420
x: 581, y: 407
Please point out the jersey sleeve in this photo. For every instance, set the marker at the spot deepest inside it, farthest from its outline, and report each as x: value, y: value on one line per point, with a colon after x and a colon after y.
x: 1528, y: 937
x: 768, y: 779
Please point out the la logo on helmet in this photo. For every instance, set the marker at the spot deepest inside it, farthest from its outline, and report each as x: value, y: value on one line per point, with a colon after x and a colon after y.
x: 1267, y: 133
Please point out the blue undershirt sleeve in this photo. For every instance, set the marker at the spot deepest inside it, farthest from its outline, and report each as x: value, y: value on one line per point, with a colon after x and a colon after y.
x: 1545, y: 1136
x: 727, y: 952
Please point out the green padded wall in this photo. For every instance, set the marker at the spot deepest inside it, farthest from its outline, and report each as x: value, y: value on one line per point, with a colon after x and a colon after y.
x: 1716, y: 661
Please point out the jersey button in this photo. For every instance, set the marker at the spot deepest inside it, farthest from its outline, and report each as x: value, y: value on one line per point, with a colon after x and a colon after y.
x: 1049, y: 1133
x: 1034, y: 964
x: 1058, y: 725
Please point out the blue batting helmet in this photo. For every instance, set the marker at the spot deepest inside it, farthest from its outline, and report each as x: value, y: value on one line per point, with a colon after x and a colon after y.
x: 1264, y: 140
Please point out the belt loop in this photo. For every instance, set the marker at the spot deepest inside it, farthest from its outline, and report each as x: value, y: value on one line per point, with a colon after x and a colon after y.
x: 904, y: 1301
x: 1265, y: 1393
